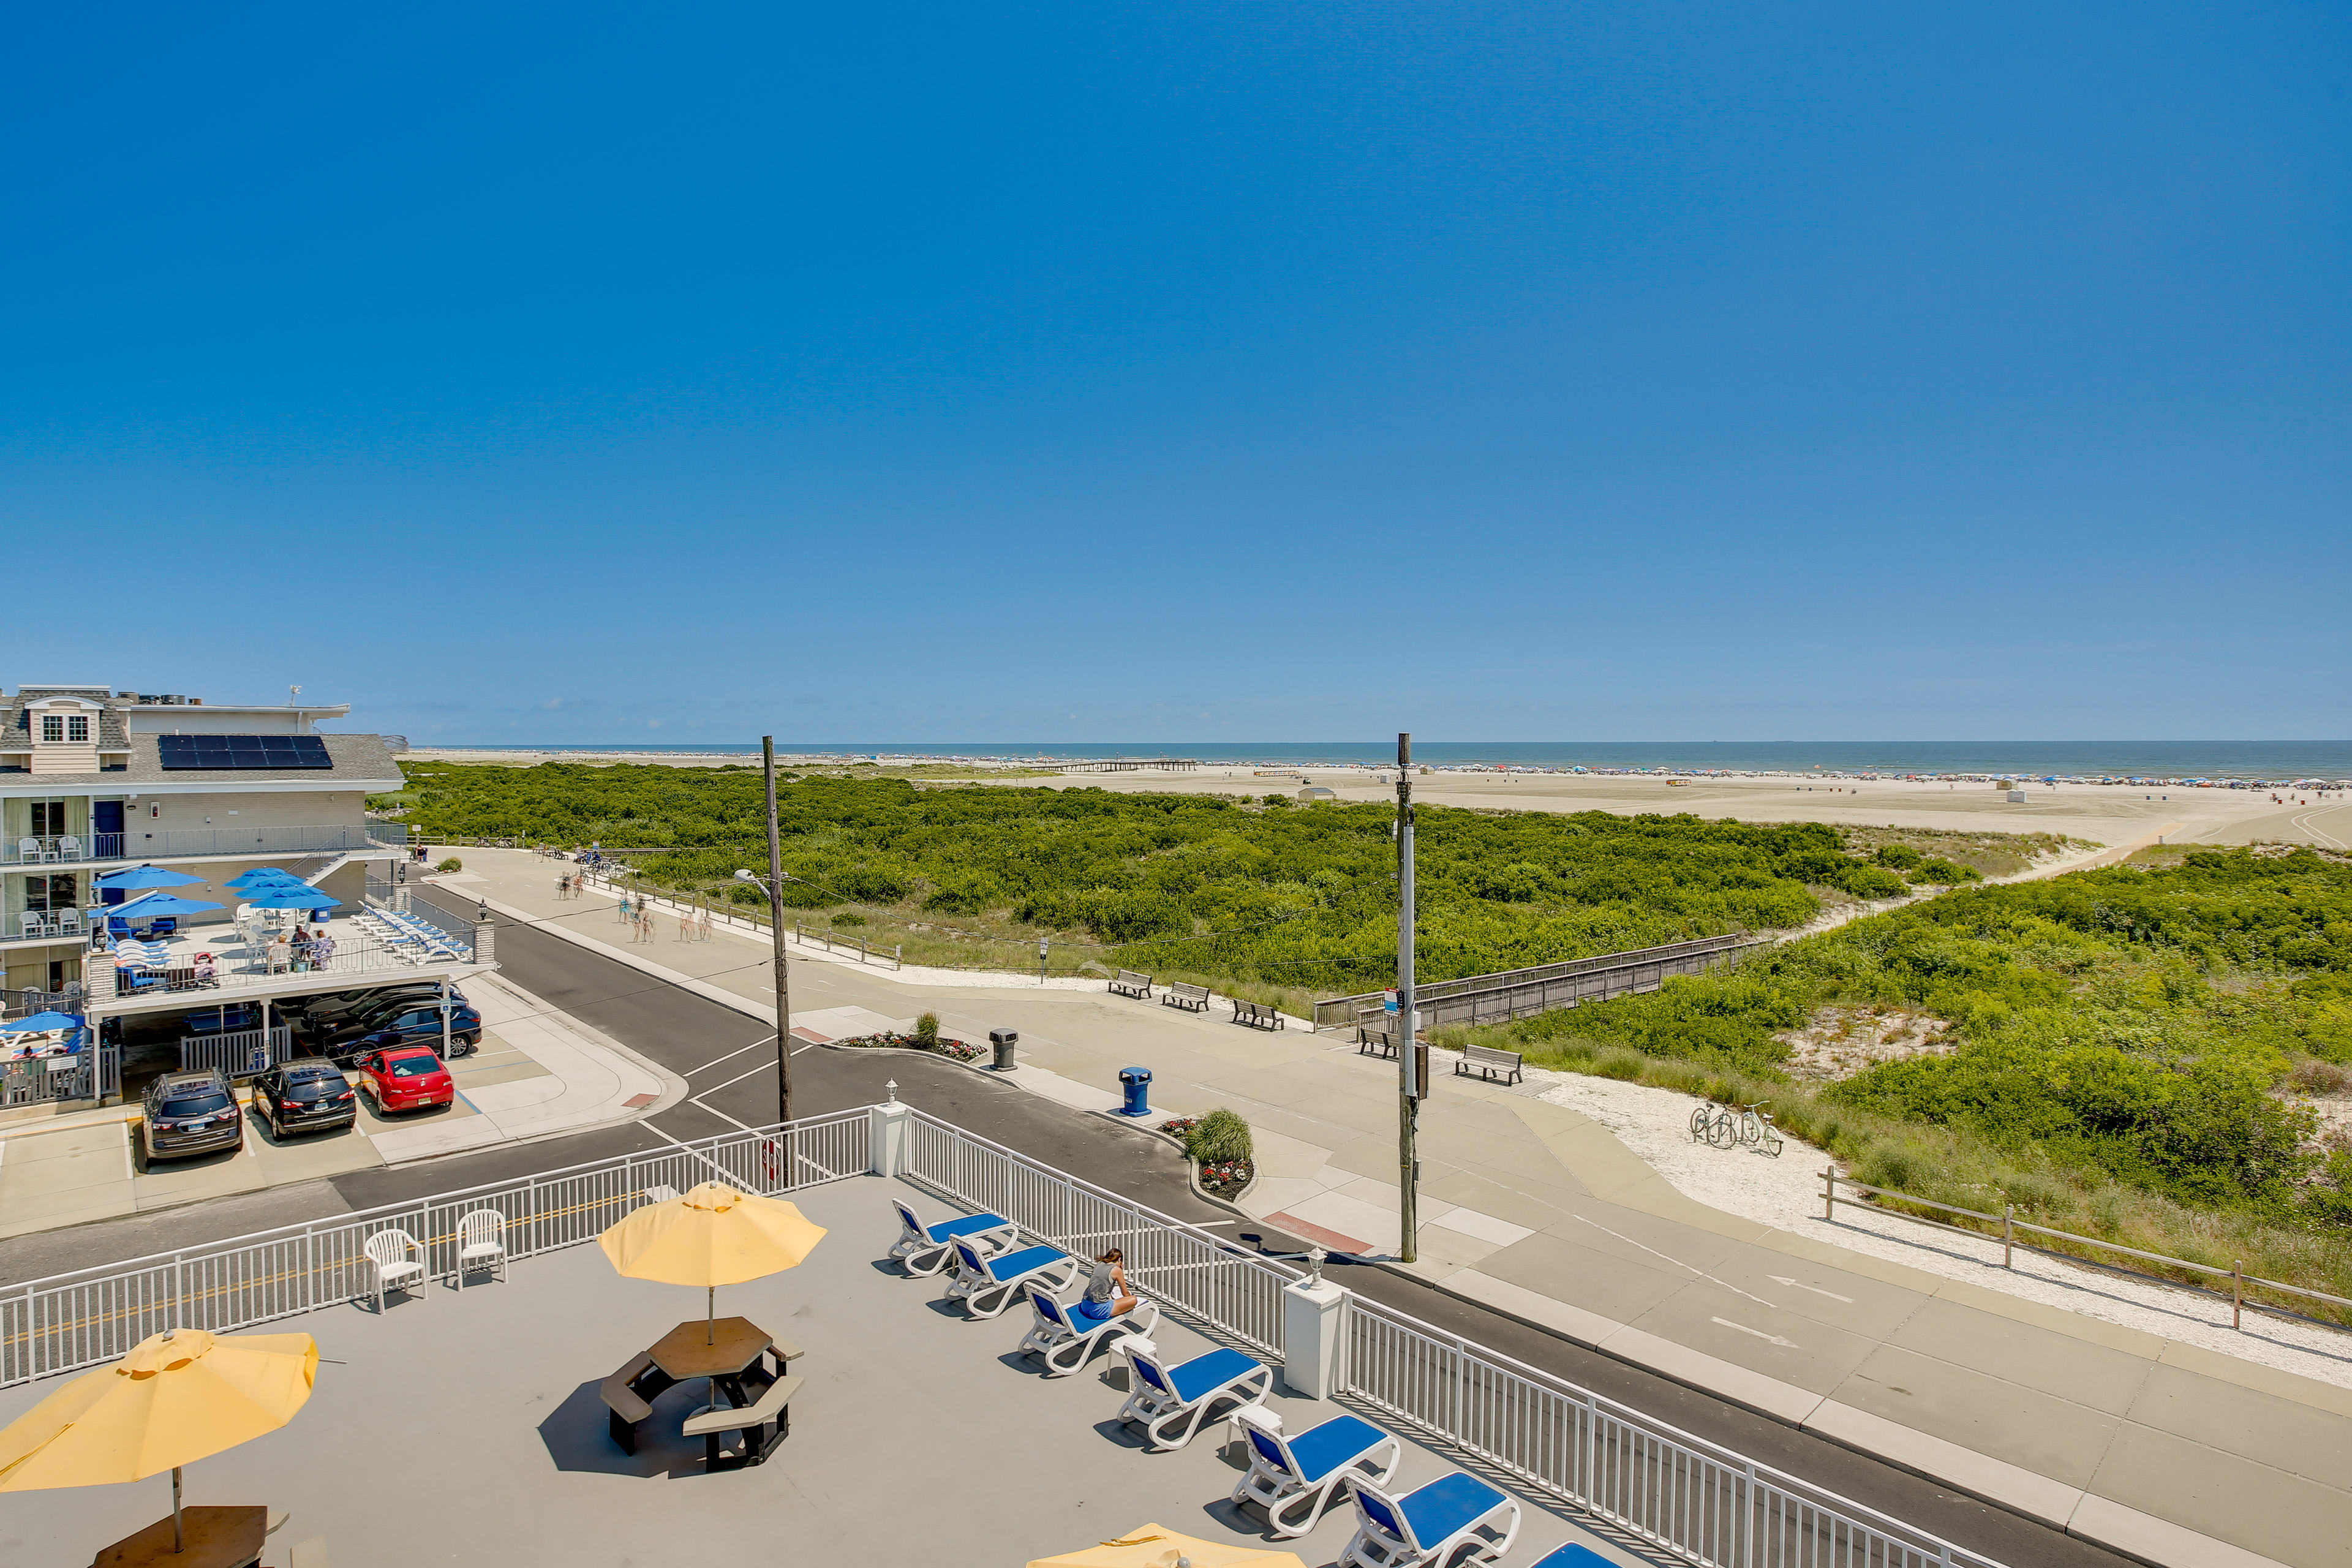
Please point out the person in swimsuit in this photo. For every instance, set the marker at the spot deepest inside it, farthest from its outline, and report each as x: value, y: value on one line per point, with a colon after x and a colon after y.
x: 1108, y: 1294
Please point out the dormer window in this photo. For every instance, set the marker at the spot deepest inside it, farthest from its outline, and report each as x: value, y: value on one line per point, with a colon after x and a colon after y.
x: 53, y: 727
x: 65, y: 727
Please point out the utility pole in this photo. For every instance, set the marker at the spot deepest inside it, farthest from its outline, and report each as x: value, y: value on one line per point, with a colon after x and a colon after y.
x: 1410, y: 1088
x: 776, y: 934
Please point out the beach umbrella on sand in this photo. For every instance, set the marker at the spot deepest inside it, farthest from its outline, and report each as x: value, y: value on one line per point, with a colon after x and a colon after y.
x: 179, y: 1396
x: 144, y: 877
x: 1151, y: 1546
x: 713, y: 1235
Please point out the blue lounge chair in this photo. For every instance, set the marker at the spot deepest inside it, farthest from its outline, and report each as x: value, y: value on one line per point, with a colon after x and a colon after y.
x: 987, y: 1232
x: 1171, y: 1401
x: 1066, y: 1342
x: 1294, y: 1479
x: 988, y: 1284
x: 1428, y: 1527
x: 1574, y: 1556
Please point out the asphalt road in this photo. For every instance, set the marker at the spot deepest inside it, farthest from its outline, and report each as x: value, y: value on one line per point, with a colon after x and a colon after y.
x: 709, y: 1045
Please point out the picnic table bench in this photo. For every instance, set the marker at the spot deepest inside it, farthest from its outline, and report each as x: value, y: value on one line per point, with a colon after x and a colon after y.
x: 1128, y: 983
x: 1257, y: 1015
x: 1193, y: 998
x: 1490, y: 1061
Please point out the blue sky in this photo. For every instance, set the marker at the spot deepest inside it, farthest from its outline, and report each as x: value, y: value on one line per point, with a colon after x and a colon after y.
x: 1211, y: 373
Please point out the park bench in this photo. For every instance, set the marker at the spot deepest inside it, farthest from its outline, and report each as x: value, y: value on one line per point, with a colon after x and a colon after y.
x: 1373, y: 1040
x: 1489, y: 1061
x: 1257, y: 1015
x: 1194, y: 998
x: 1130, y: 984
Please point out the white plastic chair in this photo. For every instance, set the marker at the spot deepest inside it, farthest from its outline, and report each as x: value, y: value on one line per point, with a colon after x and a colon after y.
x: 398, y: 1261
x: 481, y: 1239
x: 28, y: 851
x: 70, y: 847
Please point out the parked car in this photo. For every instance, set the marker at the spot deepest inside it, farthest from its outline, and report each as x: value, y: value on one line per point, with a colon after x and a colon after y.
x: 229, y: 1019
x: 190, y: 1113
x: 327, y: 1017
x: 404, y: 1078
x: 309, y: 1094
x: 415, y: 1025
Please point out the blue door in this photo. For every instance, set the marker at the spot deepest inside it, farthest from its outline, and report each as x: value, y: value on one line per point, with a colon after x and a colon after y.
x: 106, y: 828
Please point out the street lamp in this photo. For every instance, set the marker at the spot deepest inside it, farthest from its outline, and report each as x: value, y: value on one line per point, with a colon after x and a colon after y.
x: 784, y: 988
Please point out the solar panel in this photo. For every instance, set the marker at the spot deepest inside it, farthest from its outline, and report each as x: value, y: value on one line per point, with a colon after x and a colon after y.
x: 254, y: 752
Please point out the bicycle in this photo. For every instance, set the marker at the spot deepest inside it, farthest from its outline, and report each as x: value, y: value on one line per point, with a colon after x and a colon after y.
x: 1757, y: 1130
x: 1713, y: 1124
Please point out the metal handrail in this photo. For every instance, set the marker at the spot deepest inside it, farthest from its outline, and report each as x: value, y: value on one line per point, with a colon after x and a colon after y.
x: 2010, y: 1225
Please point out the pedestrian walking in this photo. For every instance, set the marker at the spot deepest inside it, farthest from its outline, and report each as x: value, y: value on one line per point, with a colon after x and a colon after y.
x: 702, y: 924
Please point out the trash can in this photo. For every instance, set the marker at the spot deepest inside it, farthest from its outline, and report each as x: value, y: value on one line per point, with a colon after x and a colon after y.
x: 1004, y: 1041
x: 1137, y: 1083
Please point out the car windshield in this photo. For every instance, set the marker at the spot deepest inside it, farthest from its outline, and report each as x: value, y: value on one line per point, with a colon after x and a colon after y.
x: 200, y: 1104
x: 412, y: 1067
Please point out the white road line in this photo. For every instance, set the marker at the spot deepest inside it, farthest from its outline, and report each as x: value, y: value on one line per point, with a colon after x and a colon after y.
x: 719, y: 1113
x: 1775, y: 1338
x: 724, y: 1175
x: 1676, y: 1262
x: 731, y: 1056
x: 1784, y: 1280
x: 739, y: 1078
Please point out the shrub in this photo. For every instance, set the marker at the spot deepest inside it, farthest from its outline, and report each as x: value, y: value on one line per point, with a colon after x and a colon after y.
x: 1897, y: 857
x: 1619, y: 1064
x: 850, y: 919
x: 926, y: 1030
x: 451, y: 863
x: 1220, y: 1138
x: 1940, y: 872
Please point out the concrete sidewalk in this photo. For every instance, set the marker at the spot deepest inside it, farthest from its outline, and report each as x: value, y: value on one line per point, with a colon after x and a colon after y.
x: 2166, y: 1452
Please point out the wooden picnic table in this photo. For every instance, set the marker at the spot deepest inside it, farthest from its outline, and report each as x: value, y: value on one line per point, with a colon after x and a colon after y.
x: 216, y: 1537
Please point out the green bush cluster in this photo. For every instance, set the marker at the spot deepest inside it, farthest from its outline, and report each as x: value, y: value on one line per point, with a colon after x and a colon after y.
x: 1220, y: 1137
x: 2131, y: 1022
x: 1246, y: 892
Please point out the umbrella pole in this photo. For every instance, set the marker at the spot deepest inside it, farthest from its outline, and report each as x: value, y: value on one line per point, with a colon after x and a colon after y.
x: 179, y: 1542
x: 711, y: 1315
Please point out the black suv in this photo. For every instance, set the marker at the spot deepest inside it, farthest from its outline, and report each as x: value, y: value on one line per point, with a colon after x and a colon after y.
x: 190, y: 1113
x: 309, y: 1094
x: 326, y: 1015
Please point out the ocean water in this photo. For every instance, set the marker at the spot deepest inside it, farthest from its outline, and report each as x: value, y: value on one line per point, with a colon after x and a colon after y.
x: 2276, y: 760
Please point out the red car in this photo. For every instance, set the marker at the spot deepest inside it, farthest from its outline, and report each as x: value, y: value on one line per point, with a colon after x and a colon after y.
x: 406, y: 1078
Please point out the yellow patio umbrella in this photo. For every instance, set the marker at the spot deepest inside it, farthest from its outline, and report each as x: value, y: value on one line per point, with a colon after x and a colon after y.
x: 1151, y: 1546
x: 179, y: 1396
x: 713, y: 1235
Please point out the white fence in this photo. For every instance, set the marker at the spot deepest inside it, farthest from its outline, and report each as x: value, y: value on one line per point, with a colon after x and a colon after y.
x: 1698, y: 1501
x: 72, y: 1321
x: 238, y: 1053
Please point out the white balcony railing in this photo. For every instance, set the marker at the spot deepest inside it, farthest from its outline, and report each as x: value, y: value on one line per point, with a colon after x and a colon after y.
x: 167, y: 843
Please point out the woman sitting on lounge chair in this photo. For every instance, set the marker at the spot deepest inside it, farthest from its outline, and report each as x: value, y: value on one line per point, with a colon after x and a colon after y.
x: 1107, y: 1295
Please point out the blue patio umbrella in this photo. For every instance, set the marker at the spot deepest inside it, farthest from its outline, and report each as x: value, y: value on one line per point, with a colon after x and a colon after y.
x: 42, y: 1022
x: 297, y: 897
x: 154, y: 904
x: 144, y: 877
x: 261, y: 876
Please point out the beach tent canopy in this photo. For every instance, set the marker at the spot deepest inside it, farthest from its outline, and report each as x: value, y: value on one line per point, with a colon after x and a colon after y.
x: 144, y: 877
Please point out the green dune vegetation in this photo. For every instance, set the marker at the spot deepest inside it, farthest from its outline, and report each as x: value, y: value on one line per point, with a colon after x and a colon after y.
x: 2134, y: 1053
x: 2150, y: 1053
x: 1265, y: 897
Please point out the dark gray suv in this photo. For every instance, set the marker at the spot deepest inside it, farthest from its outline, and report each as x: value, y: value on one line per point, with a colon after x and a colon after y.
x: 190, y: 1113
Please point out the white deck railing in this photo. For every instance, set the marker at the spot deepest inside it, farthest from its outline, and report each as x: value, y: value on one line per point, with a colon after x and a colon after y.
x: 1695, y: 1500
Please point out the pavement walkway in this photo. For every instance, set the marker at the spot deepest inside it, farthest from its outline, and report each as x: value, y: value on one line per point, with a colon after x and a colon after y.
x: 2162, y: 1450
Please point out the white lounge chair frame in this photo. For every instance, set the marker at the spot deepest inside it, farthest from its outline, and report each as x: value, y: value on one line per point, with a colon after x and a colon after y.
x: 986, y: 1293
x: 398, y: 1262
x: 1376, y: 1546
x: 1294, y: 1501
x: 989, y: 1233
x: 1056, y: 1338
x: 1152, y: 1399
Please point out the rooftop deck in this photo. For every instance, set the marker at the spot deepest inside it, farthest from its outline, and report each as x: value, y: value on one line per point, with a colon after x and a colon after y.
x: 364, y: 951
x: 467, y: 1428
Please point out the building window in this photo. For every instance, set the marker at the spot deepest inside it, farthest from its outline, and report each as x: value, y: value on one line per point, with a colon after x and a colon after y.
x: 78, y: 727
x: 51, y: 893
x: 50, y: 819
x: 53, y: 727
